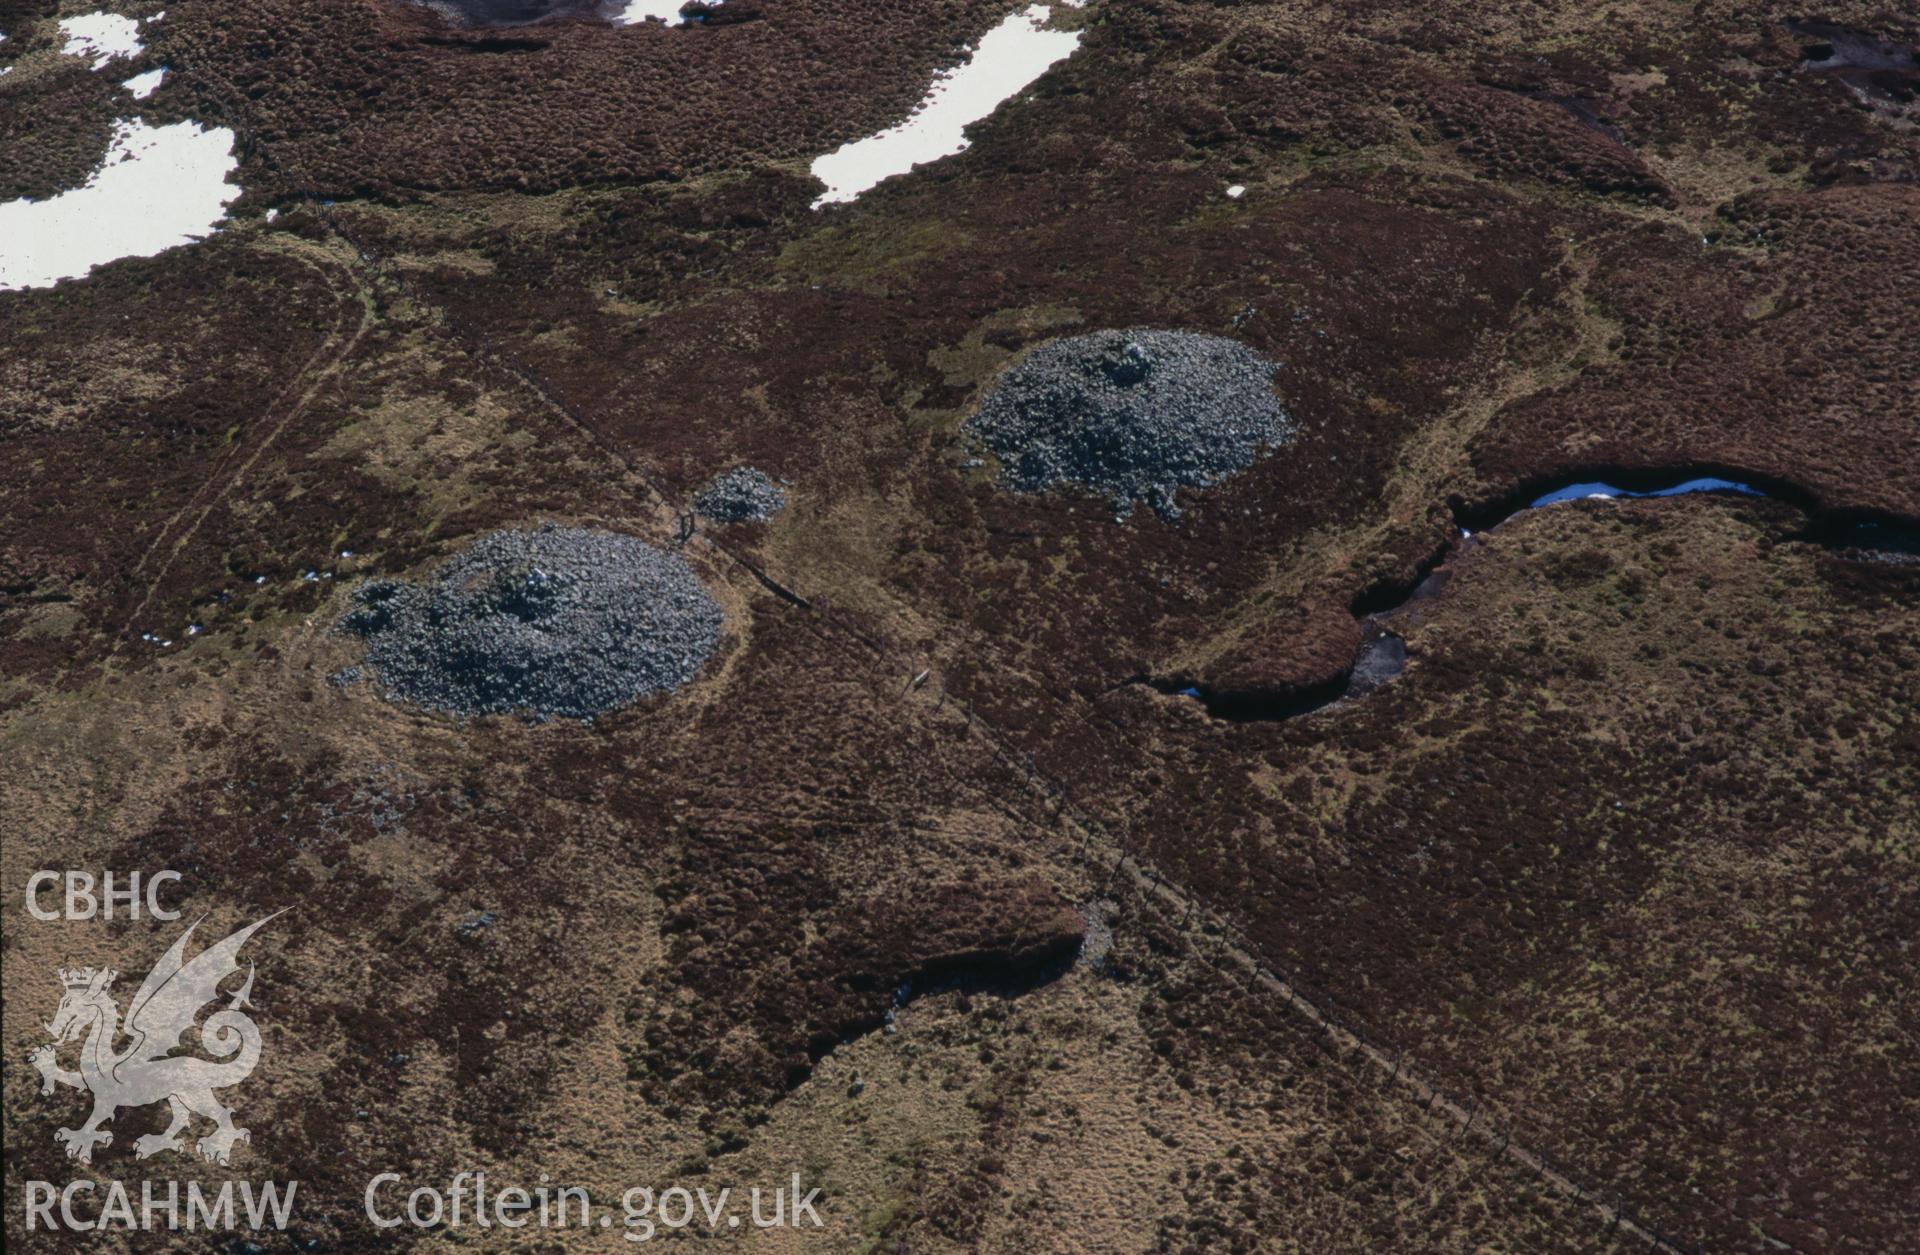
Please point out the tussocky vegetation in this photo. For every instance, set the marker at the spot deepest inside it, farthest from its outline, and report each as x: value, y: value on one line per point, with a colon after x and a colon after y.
x: 1619, y: 866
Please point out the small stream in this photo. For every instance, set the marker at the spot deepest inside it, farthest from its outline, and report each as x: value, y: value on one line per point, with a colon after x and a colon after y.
x: 1600, y: 488
x: 1383, y: 653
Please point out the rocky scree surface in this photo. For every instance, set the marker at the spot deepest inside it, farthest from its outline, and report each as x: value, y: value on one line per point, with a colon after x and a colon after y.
x: 1132, y: 415
x: 740, y: 494
x: 556, y: 622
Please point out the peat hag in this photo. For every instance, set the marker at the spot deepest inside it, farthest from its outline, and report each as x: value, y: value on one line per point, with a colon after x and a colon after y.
x: 479, y: 13
x: 1882, y: 74
x: 1382, y: 657
x: 1006, y: 973
x: 1383, y: 654
x: 1867, y: 538
x: 507, y: 13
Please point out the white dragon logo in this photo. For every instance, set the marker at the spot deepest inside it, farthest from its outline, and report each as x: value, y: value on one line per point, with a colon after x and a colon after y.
x: 163, y: 1009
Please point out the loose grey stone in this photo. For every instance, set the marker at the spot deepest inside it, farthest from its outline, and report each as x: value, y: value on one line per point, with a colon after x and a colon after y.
x: 740, y: 494
x: 556, y: 622
x: 1133, y: 415
x: 1097, y: 942
x: 475, y: 922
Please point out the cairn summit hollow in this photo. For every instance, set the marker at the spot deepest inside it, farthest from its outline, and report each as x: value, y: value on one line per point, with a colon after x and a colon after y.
x: 1132, y: 415
x: 556, y: 622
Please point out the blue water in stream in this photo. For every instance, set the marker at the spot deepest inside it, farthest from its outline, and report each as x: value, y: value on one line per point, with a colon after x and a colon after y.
x: 1383, y: 656
x: 1574, y: 492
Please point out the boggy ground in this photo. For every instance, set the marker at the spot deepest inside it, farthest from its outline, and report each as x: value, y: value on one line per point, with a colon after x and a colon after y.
x: 1623, y: 861
x: 1626, y: 852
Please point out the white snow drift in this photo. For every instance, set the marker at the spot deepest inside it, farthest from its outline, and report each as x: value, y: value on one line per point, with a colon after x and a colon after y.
x: 144, y: 85
x: 160, y: 186
x: 667, y: 11
x: 1010, y: 56
x: 102, y: 36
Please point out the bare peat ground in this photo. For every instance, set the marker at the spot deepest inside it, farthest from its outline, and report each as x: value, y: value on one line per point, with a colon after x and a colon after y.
x: 1623, y: 862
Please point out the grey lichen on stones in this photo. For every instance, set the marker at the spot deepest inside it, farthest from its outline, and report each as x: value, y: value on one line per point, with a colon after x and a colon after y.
x: 558, y: 622
x: 1132, y: 415
x: 740, y: 494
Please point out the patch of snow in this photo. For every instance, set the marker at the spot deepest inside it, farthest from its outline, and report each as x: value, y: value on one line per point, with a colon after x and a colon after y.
x: 1236, y: 191
x: 102, y: 36
x: 1008, y: 58
x: 144, y: 85
x: 667, y: 11
x: 158, y: 187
